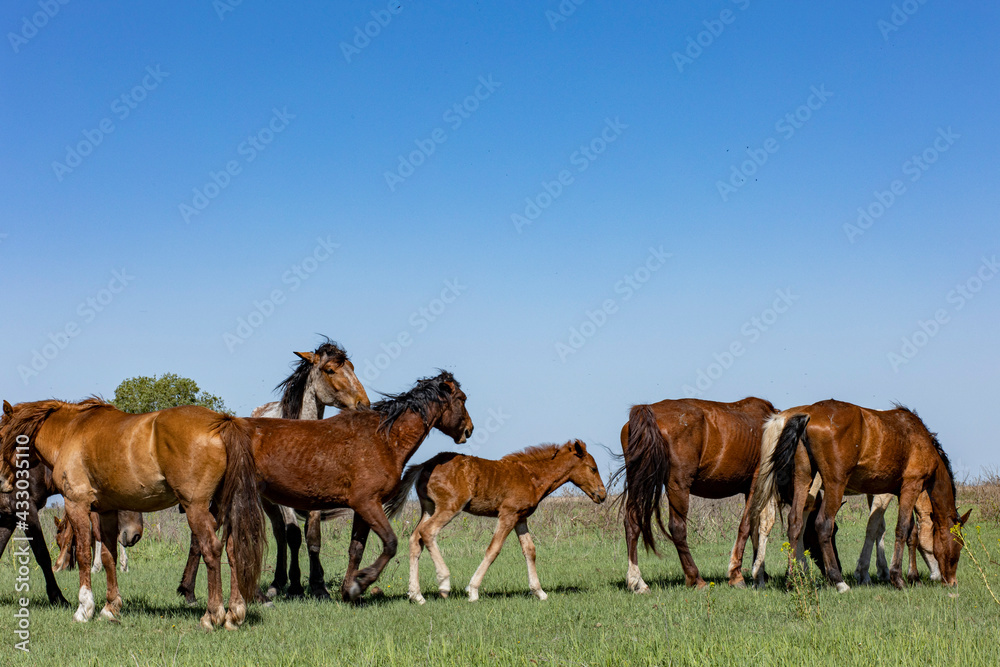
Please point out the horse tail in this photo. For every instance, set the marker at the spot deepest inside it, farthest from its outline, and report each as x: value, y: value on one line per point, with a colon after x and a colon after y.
x: 18, y: 428
x: 647, y: 466
x: 777, y: 462
x: 240, y: 512
x: 394, y: 505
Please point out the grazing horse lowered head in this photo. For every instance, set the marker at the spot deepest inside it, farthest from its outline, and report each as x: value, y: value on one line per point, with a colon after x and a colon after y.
x: 323, y: 377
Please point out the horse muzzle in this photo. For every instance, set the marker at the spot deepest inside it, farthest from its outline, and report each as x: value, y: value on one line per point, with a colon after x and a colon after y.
x: 128, y: 538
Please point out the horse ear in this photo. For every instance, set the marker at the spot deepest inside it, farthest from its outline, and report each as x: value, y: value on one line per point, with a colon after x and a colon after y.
x: 446, y: 387
x: 579, y: 448
x: 964, y: 517
x: 307, y: 356
x: 8, y: 409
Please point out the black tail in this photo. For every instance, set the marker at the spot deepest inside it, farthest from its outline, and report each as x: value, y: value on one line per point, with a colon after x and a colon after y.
x: 394, y: 505
x: 647, y: 465
x: 784, y: 456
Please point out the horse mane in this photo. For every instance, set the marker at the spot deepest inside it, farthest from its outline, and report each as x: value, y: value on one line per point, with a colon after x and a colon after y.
x: 937, y: 445
x: 293, y: 387
x: 425, y: 393
x: 533, y: 454
x: 26, y: 419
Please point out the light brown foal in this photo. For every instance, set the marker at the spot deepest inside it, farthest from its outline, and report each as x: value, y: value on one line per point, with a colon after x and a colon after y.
x: 509, y: 489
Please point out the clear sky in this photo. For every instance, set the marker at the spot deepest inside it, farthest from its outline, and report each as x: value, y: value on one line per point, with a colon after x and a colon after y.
x: 573, y: 207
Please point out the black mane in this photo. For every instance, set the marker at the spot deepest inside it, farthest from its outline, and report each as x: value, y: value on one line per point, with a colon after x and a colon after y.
x: 293, y: 387
x: 937, y: 445
x: 425, y: 393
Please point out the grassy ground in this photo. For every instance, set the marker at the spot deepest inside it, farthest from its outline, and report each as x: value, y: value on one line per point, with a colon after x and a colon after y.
x: 589, y: 618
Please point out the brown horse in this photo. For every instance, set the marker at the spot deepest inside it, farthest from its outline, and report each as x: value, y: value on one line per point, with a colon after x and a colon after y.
x: 106, y: 460
x: 320, y: 378
x: 509, y: 489
x: 857, y: 450
x: 354, y: 459
x: 695, y: 447
x: 130, y: 528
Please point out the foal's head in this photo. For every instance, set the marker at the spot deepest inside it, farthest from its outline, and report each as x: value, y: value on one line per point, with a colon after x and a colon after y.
x: 584, y: 472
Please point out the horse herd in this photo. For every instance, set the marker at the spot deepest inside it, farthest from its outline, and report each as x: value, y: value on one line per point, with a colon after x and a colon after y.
x: 287, y: 462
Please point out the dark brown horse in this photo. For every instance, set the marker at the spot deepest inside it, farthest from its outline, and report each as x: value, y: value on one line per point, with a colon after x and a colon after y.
x: 105, y: 460
x: 355, y: 459
x: 130, y: 528
x: 319, y: 378
x: 509, y: 489
x: 695, y: 447
x: 857, y: 450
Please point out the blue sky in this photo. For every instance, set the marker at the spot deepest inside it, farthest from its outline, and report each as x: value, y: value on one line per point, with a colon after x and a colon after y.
x: 569, y: 239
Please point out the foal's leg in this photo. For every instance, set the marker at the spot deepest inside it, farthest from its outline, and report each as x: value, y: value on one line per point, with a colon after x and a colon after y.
x: 528, y: 549
x: 764, y: 525
x: 504, y: 525
x: 833, y: 494
x: 416, y: 548
x: 875, y: 512
x: 122, y: 558
x: 273, y: 513
x: 314, y: 537
x: 186, y: 587
x: 350, y: 589
x: 633, y: 577
x: 203, y: 525
x: 109, y: 535
x: 78, y: 514
x: 428, y: 534
x: 881, y: 565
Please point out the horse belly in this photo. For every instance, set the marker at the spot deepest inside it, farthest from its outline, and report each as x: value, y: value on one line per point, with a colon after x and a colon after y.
x: 717, y: 488
x: 148, y: 497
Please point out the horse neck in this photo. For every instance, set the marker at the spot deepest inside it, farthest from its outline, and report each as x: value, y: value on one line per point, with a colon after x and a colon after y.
x: 942, y: 497
x: 550, y: 475
x: 407, y: 434
x: 312, y: 407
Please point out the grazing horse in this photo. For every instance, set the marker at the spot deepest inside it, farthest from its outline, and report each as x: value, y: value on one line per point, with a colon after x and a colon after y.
x: 509, y: 489
x: 858, y: 450
x: 354, y: 459
x: 105, y: 460
x: 320, y: 378
x: 695, y: 447
x: 129, y: 532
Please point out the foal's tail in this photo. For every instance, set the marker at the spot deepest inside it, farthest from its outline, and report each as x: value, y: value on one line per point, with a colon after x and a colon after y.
x: 18, y: 428
x: 647, y: 466
x: 240, y: 511
x: 777, y: 462
x: 394, y: 505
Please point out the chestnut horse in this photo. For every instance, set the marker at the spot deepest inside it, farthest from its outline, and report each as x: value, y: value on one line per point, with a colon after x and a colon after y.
x: 320, y: 378
x: 509, y: 489
x: 695, y: 447
x: 130, y: 529
x: 355, y: 459
x: 858, y: 450
x: 106, y: 460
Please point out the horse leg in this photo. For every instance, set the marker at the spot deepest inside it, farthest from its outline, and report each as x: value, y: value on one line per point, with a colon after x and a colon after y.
x: 679, y: 497
x: 40, y: 550
x: 528, y: 549
x: 881, y: 565
x: 281, y: 565
x: 765, y: 524
x: 907, y: 498
x: 633, y: 577
x: 108, y: 523
x: 203, y: 526
x: 78, y: 514
x: 95, y: 521
x: 237, y: 605
x: 314, y: 536
x: 504, y: 525
x: 349, y: 588
x: 416, y: 548
x: 875, y: 512
x: 428, y: 535
x: 833, y: 494
x: 924, y: 531
x: 186, y: 587
x: 374, y: 516
x: 742, y: 535
x: 122, y: 558
x: 293, y: 537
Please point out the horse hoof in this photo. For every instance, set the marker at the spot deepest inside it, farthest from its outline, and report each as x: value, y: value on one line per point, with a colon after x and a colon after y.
x: 231, y: 626
x: 271, y: 593
x: 353, y: 591
x: 107, y: 615
x: 541, y: 595
x: 206, y: 623
x: 842, y: 587
x: 418, y: 598
x: 444, y: 594
x: 320, y: 593
x: 80, y: 617
x: 738, y: 583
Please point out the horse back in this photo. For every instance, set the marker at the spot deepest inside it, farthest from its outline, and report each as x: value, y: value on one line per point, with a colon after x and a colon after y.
x: 478, y: 486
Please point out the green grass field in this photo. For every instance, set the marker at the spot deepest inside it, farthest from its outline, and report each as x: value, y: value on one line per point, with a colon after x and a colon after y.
x: 589, y: 618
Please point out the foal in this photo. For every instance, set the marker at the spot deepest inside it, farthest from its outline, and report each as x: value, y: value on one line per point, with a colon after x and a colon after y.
x: 509, y: 489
